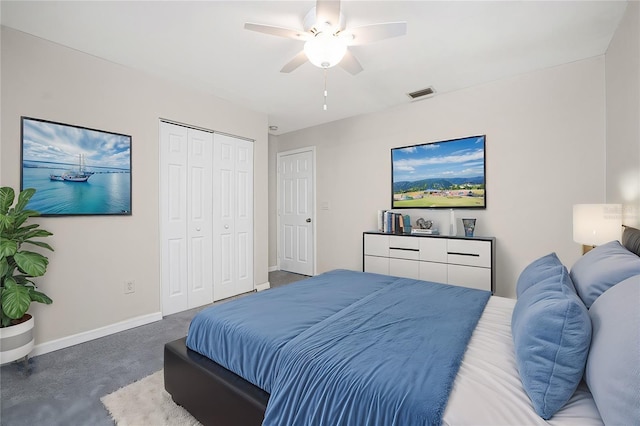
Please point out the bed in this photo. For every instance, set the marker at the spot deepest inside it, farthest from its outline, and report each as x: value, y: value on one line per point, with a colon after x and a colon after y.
x: 308, y: 353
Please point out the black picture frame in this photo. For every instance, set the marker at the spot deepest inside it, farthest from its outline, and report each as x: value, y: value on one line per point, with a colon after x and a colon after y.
x: 447, y: 174
x: 76, y: 171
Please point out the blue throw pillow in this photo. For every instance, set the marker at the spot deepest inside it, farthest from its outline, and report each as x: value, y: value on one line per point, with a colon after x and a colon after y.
x: 602, y: 268
x: 551, y: 334
x: 613, y: 365
x: 538, y: 270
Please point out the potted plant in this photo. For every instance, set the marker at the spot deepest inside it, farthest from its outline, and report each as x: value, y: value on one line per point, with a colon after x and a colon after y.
x: 17, y: 267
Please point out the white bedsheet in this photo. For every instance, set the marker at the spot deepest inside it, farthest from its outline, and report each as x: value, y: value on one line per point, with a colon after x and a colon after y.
x: 488, y: 390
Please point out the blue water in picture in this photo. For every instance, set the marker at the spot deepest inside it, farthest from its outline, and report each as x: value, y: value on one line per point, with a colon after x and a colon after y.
x: 107, y: 191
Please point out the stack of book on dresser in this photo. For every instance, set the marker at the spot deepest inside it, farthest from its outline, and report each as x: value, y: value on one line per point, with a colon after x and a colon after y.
x: 393, y: 223
x: 418, y: 231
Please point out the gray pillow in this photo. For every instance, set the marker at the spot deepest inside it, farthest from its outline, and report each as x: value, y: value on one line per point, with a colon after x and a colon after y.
x: 602, y: 268
x: 631, y: 239
x: 613, y: 364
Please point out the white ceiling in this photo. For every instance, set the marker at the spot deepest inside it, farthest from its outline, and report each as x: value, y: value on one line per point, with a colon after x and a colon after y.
x: 450, y: 45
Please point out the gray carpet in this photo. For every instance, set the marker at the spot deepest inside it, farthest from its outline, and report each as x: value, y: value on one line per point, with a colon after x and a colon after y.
x: 64, y: 387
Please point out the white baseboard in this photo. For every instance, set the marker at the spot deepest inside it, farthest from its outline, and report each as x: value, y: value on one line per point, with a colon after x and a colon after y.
x: 263, y: 286
x: 86, y: 336
x: 273, y: 268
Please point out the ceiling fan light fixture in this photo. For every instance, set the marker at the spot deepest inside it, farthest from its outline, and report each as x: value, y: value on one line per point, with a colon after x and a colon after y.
x: 325, y: 50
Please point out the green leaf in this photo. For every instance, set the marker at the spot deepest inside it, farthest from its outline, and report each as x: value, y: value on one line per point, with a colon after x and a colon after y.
x: 31, y: 263
x: 37, y: 296
x: 5, y: 321
x: 23, y: 280
x: 6, y: 222
x: 22, y: 216
x: 23, y: 198
x: 40, y: 244
x: 7, y: 247
x: 37, y: 233
x: 4, y: 268
x: 15, y: 299
x: 7, y: 196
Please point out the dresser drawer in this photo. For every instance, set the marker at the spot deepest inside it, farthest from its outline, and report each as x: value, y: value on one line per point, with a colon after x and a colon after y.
x: 376, y: 264
x: 433, y: 249
x: 468, y: 252
x: 469, y: 276
x: 376, y: 245
x: 435, y: 272
x: 404, y: 268
x: 404, y: 248
x: 407, y: 243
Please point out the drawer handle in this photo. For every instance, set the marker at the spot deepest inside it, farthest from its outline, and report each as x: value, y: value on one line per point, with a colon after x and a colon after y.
x: 402, y: 248
x: 463, y: 254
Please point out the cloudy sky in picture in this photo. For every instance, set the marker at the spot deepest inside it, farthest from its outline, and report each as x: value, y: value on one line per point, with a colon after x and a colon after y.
x: 447, y: 159
x: 62, y: 144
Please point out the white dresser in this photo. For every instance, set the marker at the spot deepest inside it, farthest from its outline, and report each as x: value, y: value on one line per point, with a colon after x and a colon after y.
x: 463, y: 261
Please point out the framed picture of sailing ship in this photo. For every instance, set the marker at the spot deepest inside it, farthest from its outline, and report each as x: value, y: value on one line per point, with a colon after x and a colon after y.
x: 75, y: 170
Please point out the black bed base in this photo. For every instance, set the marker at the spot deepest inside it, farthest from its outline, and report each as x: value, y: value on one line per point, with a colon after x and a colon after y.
x: 210, y: 392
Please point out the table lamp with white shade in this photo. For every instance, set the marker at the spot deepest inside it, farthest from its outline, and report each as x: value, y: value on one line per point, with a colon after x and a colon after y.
x: 596, y: 224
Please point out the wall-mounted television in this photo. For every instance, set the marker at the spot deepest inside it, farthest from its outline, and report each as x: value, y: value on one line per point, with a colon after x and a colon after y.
x: 449, y: 174
x: 75, y: 170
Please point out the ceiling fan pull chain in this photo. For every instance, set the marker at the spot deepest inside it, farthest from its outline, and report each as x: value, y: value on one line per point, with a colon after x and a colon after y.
x: 325, y: 89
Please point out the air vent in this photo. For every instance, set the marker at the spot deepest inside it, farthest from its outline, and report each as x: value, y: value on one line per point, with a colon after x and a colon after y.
x: 421, y: 93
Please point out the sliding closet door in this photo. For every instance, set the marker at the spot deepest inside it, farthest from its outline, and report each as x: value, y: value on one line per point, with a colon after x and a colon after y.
x: 233, y: 216
x: 186, y: 158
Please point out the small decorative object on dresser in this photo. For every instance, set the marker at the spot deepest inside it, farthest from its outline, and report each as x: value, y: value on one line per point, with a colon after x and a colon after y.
x: 424, y: 224
x: 469, y: 226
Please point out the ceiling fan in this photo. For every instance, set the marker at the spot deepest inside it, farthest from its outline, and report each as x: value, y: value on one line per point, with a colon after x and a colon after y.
x: 327, y: 39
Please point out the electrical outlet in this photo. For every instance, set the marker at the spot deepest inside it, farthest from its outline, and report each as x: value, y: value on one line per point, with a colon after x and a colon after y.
x: 129, y: 286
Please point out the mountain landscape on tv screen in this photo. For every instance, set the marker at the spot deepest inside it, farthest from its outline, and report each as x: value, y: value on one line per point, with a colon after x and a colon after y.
x: 436, y: 184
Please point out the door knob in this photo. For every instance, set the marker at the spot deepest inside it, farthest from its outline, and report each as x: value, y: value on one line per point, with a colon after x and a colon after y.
x: 308, y: 220
x: 197, y: 229
x: 226, y: 227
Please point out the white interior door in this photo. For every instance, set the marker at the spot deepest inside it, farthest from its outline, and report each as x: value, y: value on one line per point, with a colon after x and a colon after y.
x: 296, y: 199
x: 233, y: 216
x: 186, y: 217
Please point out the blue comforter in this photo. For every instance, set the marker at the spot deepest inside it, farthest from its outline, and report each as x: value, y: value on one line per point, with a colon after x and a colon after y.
x: 245, y: 335
x: 384, y: 351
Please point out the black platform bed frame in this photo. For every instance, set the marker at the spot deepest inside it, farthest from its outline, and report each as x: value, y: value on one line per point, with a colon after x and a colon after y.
x: 210, y: 392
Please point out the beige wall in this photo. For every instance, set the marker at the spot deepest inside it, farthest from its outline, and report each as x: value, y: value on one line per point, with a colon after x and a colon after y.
x: 545, y: 145
x: 95, y: 255
x: 623, y: 112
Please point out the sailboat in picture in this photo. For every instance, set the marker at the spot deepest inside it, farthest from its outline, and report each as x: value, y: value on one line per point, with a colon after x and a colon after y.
x: 81, y: 175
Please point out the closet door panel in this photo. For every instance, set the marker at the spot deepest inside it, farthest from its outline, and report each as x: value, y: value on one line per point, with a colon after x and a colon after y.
x: 200, y: 210
x: 244, y: 215
x: 186, y: 164
x: 233, y: 216
x: 174, y: 154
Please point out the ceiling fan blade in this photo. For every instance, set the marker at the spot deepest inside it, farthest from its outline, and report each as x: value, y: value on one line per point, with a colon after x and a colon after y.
x: 277, y: 31
x: 375, y: 32
x: 350, y: 63
x: 297, y: 60
x: 328, y: 11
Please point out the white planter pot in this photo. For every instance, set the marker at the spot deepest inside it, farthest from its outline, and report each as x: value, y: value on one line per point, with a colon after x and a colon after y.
x: 16, y: 341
